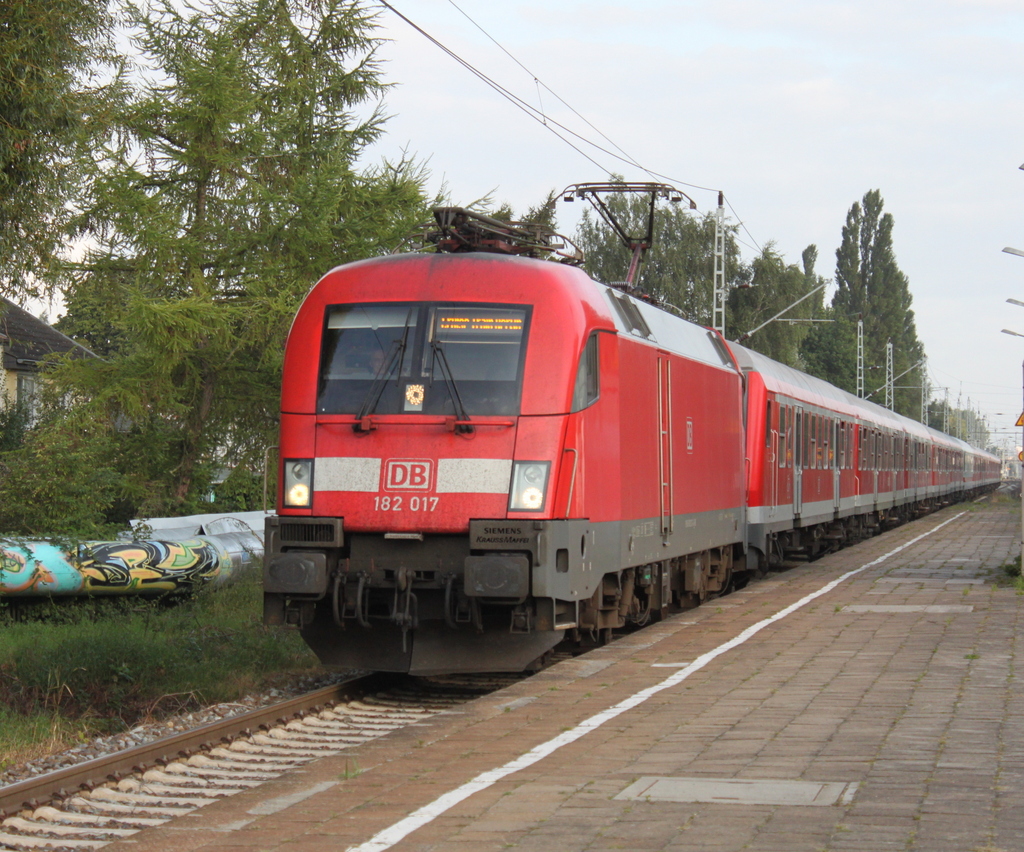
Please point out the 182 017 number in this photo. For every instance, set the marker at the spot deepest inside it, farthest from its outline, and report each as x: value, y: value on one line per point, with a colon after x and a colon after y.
x: 399, y: 504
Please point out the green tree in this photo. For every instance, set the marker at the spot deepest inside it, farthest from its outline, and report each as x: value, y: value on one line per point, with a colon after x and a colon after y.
x: 228, y: 189
x: 774, y: 286
x: 46, y: 52
x: 679, y: 266
x: 871, y: 285
x: 960, y: 422
x: 62, y: 481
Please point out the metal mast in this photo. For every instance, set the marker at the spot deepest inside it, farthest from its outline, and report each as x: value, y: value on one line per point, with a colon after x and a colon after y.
x: 888, y: 374
x: 925, y: 392
x: 860, y: 359
x: 718, y: 311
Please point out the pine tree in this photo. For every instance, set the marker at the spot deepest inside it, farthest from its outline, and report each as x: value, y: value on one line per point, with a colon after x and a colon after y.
x: 46, y: 52
x: 228, y: 190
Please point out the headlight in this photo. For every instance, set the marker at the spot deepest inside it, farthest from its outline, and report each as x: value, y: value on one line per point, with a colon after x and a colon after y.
x: 529, y: 486
x: 298, y: 483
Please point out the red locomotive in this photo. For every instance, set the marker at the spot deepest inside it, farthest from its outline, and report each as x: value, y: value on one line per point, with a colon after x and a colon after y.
x: 483, y: 452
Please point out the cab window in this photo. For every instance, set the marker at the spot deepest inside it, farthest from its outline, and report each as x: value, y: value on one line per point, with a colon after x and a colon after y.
x: 588, y: 387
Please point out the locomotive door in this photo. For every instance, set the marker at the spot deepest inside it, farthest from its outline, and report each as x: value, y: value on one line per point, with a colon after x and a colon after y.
x: 666, y: 494
x: 799, y: 450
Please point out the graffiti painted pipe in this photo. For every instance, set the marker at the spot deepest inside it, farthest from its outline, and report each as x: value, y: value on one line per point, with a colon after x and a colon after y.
x: 149, y: 566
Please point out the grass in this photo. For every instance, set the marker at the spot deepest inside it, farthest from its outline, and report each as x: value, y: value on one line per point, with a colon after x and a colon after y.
x: 72, y: 669
x: 1010, y: 573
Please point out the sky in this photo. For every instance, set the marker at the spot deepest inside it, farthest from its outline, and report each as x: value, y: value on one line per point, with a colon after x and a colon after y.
x: 794, y: 109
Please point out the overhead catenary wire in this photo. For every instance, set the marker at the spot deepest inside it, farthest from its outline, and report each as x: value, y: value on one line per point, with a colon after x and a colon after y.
x: 547, y: 121
x: 529, y: 109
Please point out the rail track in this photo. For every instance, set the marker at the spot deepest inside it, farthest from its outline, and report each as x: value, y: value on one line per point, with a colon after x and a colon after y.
x: 109, y: 798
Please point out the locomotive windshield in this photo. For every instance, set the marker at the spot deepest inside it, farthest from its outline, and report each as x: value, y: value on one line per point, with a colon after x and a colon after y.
x: 423, y: 358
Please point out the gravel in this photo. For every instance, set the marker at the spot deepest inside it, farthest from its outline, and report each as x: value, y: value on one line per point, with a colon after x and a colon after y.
x: 148, y: 733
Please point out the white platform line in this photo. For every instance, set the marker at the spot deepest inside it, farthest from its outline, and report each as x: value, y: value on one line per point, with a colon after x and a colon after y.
x: 417, y: 819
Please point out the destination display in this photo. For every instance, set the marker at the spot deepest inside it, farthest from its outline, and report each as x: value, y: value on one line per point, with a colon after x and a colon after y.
x: 483, y: 322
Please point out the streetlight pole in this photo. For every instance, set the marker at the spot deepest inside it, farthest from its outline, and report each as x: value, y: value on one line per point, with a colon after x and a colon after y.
x: 1019, y: 253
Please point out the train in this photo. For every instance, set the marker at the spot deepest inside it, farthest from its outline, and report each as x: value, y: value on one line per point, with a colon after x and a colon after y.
x: 485, y: 453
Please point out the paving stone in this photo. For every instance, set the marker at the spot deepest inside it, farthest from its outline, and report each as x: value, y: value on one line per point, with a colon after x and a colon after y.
x: 917, y: 708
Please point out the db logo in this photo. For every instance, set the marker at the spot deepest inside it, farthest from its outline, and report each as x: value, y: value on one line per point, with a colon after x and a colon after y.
x: 408, y: 475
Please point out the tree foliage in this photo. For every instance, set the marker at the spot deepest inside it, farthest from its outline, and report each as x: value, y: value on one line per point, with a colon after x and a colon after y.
x: 775, y: 286
x: 870, y: 285
x: 227, y: 189
x: 679, y: 266
x: 47, y: 50
x: 962, y: 423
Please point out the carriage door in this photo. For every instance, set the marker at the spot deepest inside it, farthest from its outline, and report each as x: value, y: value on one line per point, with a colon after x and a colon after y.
x: 837, y: 451
x: 799, y: 451
x: 665, y: 487
x: 876, y: 463
x: 772, y: 456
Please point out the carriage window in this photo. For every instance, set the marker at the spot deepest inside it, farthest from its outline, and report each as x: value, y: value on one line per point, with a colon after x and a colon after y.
x: 768, y: 425
x: 819, y: 459
x: 587, y: 387
x: 783, y: 436
x: 822, y: 442
x: 810, y: 442
x: 798, y: 458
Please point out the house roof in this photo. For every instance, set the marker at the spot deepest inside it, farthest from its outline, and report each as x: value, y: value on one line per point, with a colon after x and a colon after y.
x: 26, y: 340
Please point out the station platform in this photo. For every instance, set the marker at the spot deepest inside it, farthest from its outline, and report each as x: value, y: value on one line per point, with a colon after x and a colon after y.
x: 871, y: 700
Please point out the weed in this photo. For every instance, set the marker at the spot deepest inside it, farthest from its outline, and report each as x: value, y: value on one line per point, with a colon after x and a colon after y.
x: 351, y: 769
x: 972, y: 656
x: 68, y: 672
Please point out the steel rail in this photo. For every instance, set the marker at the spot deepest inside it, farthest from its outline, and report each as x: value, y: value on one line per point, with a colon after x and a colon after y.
x: 62, y: 783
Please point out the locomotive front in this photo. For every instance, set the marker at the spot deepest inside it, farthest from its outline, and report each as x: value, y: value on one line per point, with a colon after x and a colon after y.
x: 422, y: 423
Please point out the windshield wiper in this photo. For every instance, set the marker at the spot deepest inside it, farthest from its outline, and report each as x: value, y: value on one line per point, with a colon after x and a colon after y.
x: 453, y: 389
x: 373, y: 395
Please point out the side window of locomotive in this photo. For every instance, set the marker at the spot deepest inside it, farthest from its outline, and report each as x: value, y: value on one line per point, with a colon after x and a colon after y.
x: 588, y: 386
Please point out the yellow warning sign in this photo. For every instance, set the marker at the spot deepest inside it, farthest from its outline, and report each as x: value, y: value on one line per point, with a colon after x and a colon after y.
x: 1020, y: 455
x: 1020, y: 420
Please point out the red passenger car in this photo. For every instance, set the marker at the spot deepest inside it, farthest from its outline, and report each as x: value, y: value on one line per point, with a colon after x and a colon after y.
x: 828, y: 468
